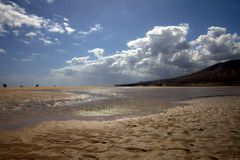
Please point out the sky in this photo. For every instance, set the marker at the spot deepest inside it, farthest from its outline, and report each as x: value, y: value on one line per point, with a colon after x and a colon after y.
x: 106, y: 42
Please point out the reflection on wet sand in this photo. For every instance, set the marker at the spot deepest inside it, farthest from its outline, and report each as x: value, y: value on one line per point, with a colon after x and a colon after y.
x: 204, y: 128
x: 20, y: 107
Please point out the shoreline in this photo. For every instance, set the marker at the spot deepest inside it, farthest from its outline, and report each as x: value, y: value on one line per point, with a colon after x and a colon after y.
x: 206, y: 128
x: 31, y: 122
x: 58, y: 94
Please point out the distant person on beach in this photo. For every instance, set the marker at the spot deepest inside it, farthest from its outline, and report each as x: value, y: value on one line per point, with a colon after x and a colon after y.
x: 4, y: 85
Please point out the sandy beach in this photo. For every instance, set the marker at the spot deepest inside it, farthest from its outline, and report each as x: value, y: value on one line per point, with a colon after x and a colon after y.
x: 204, y: 128
x: 19, y: 104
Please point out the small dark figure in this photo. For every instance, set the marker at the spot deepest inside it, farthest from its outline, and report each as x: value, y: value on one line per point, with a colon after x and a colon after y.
x: 4, y: 85
x: 37, y: 85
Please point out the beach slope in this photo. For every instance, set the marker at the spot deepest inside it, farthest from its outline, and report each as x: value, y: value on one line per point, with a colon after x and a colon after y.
x: 205, y: 128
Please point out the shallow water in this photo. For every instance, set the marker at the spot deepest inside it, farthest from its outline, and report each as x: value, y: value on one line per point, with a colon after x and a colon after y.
x: 129, y: 102
x: 109, y: 104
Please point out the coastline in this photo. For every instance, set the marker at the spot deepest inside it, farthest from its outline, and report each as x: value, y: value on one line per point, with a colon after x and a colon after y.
x: 24, y: 107
x: 206, y: 128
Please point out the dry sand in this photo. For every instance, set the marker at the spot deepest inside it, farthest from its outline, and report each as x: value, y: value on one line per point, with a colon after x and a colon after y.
x: 206, y: 128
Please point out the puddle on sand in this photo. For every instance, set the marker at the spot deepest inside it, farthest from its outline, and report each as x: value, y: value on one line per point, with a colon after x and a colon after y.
x: 106, y: 112
x: 104, y: 104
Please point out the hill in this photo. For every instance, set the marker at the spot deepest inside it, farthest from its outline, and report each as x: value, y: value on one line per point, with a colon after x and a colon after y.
x: 226, y: 73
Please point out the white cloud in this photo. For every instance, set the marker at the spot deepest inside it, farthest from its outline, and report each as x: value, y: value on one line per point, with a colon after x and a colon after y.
x: 140, y: 42
x: 215, y: 46
x: 76, y: 44
x: 24, y: 41
x: 40, y: 33
x: 30, y: 58
x: 49, y: 1
x: 46, y: 41
x: 53, y: 27
x: 65, y: 24
x: 16, y: 17
x: 65, y: 19
x: 2, y: 30
x: 69, y: 30
x: 16, y: 32
x: 36, y: 54
x: 22, y: 60
x: 78, y: 60
x: 162, y: 53
x: 57, y: 41
x: 96, y: 28
x: 2, y: 51
x: 97, y: 52
x: 216, y: 31
x: 31, y: 34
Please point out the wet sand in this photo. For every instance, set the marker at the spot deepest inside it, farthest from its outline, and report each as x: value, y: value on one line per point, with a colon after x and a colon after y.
x: 29, y: 105
x: 204, y: 128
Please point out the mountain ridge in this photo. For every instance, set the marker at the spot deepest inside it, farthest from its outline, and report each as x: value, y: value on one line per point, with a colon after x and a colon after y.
x: 224, y: 73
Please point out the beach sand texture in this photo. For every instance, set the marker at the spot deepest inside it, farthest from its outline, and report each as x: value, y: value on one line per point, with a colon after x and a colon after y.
x: 205, y: 128
x: 42, y: 94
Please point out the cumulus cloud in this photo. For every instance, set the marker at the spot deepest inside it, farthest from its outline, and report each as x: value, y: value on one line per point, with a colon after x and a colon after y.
x: 14, y: 16
x: 96, y: 28
x: 53, y: 26
x: 215, y: 46
x: 163, y: 52
x: 78, y: 60
x: 218, y: 45
x: 2, y: 51
x: 97, y: 52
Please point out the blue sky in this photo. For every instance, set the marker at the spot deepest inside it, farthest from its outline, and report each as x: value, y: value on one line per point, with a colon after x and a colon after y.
x: 87, y: 42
